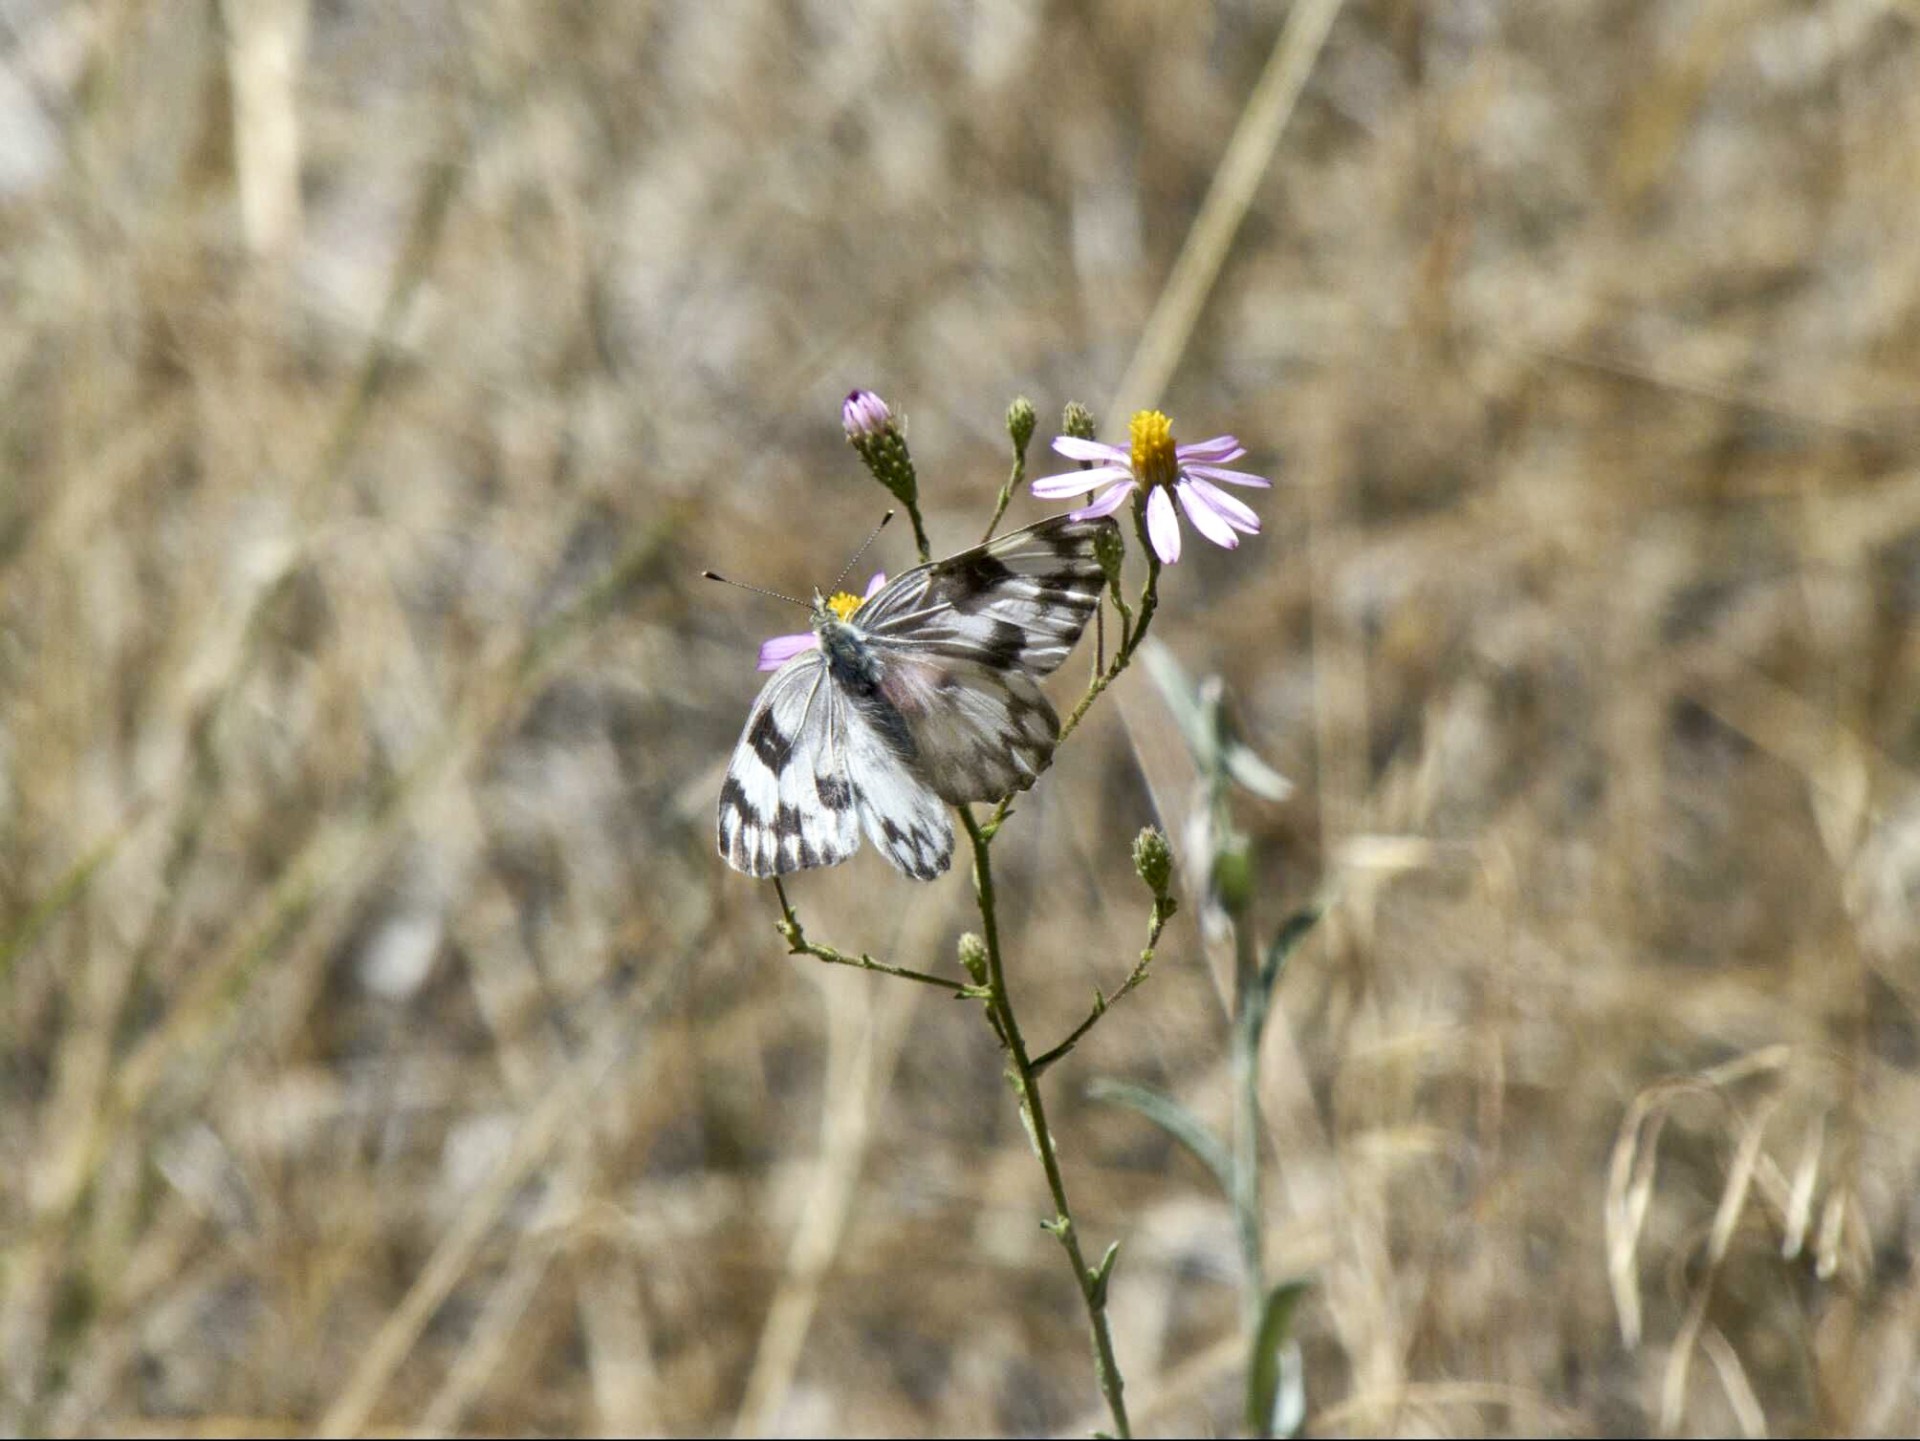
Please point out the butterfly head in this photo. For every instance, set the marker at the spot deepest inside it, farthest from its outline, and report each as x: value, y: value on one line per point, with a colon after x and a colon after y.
x: 839, y: 606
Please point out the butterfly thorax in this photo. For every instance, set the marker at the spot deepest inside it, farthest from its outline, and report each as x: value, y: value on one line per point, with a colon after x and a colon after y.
x: 842, y: 642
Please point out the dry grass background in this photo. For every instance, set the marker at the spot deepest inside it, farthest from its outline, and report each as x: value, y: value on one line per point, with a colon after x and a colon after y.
x: 384, y: 1045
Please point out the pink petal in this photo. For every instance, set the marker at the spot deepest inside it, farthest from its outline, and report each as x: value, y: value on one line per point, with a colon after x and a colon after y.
x: 874, y: 585
x: 1163, y: 526
x: 1078, y: 482
x: 783, y: 648
x: 1074, y: 448
x: 865, y: 414
x: 1105, y: 505
x: 1220, y: 449
x: 1207, y: 520
x: 1231, y: 477
x: 1230, y: 508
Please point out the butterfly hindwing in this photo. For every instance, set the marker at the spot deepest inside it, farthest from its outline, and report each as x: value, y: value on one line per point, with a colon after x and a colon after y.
x: 961, y: 641
x: 787, y: 803
x: 977, y: 733
x: 906, y: 820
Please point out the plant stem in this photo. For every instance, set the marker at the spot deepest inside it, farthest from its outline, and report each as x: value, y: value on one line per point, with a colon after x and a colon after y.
x: 1015, y: 475
x: 798, y: 945
x: 1025, y: 1081
x: 919, y: 533
x: 1246, y: 1122
x: 1162, y: 911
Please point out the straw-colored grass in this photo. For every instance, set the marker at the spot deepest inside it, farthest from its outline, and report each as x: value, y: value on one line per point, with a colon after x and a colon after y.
x: 385, y: 1048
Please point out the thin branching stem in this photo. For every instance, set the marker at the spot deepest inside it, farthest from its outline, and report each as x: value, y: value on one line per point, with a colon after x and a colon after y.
x: 1162, y: 912
x: 1248, y: 1013
x: 1015, y: 475
x: 1026, y: 1084
x: 798, y: 945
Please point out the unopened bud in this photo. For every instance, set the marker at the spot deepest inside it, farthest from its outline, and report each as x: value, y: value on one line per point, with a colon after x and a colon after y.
x: 1077, y: 421
x: 1020, y: 423
x: 1233, y: 876
x: 1153, y: 860
x: 973, y: 958
x: 876, y: 435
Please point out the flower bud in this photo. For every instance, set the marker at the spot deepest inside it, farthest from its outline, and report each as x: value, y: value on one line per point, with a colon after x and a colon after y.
x: 876, y: 435
x: 866, y: 416
x: 1153, y: 860
x: 973, y: 958
x: 1233, y: 875
x: 1077, y: 421
x: 1020, y: 423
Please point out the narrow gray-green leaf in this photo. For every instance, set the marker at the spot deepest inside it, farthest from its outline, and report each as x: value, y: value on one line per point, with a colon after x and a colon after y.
x: 1251, y: 773
x: 1102, y: 1274
x: 1286, y: 941
x: 1176, y: 1120
x: 1265, y: 1398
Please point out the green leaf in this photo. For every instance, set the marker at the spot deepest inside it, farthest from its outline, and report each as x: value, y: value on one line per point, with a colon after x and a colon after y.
x: 1255, y: 775
x: 1173, y: 1118
x: 1253, y: 1016
x: 1275, y: 1398
x: 1285, y: 942
x: 1100, y: 1274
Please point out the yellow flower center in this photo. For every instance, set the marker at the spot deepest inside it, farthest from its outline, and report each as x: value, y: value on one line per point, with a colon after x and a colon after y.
x: 1154, y: 462
x: 843, y: 604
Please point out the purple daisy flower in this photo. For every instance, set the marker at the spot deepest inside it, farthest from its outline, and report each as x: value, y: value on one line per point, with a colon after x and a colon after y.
x: 783, y: 648
x: 1194, y: 473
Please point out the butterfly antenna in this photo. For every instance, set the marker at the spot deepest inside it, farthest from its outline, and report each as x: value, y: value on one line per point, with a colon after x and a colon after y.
x: 757, y: 590
x: 854, y: 559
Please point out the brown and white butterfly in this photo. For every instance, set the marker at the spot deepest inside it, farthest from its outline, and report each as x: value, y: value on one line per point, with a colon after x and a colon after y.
x: 924, y: 696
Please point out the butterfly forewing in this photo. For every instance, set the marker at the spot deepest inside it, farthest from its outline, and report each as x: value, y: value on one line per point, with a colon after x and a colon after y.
x: 1019, y: 602
x: 787, y: 802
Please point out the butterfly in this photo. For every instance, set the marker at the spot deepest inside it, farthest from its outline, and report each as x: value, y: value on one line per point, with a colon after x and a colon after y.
x: 924, y: 696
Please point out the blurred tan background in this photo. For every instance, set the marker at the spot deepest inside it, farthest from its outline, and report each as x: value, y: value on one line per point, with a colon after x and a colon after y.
x: 384, y: 1045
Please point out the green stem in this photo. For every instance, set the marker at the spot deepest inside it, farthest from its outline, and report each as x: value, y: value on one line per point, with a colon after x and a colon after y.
x: 798, y: 945
x: 1025, y: 1080
x: 919, y: 533
x: 1246, y: 1123
x: 1162, y: 911
x: 1014, y: 476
